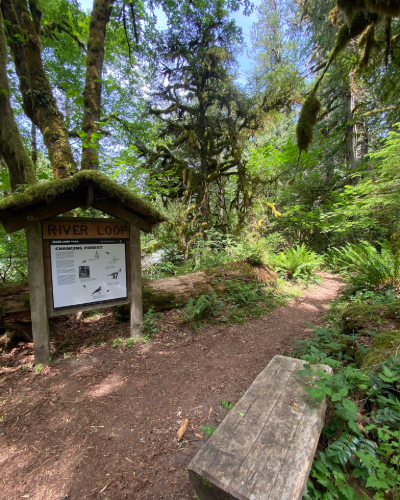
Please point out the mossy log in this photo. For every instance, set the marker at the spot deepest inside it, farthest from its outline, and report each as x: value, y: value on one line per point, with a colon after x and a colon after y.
x: 169, y: 293
x: 360, y: 317
x: 14, y: 303
x: 15, y: 314
x: 160, y: 295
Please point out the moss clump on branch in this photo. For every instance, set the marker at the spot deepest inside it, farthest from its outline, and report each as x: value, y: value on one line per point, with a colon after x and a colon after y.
x: 350, y: 8
x: 59, y: 187
x: 308, y: 118
x: 358, y: 25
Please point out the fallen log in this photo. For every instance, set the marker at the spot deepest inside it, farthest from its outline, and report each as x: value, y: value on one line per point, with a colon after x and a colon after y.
x: 160, y: 295
x: 15, y: 314
x: 169, y: 293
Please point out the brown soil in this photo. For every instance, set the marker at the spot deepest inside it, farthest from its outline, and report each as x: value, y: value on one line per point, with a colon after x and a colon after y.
x: 102, y: 424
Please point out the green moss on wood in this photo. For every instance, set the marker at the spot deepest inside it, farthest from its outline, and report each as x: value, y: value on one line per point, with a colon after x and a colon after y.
x: 7, y: 289
x: 60, y: 187
x: 308, y: 118
x: 158, y: 301
x: 361, y: 317
x: 385, y: 344
x: 206, y: 482
x: 26, y: 301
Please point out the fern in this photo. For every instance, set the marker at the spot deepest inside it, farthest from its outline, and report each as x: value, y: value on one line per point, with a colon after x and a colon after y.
x: 369, y: 269
x: 299, y: 263
x: 198, y: 309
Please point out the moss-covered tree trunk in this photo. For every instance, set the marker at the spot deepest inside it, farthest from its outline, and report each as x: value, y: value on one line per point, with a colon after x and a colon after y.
x: 99, y: 19
x: 11, y: 147
x: 23, y: 29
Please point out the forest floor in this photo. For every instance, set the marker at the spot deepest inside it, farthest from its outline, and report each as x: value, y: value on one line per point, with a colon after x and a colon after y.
x: 100, y: 423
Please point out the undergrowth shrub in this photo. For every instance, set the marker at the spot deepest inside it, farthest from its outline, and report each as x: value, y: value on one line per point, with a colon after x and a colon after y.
x: 214, y: 250
x: 368, y: 269
x: 299, y: 263
x: 244, y: 294
x: 200, y: 308
x: 361, y: 439
x: 150, y: 323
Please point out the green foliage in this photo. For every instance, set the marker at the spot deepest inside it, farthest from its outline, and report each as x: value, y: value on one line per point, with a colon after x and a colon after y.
x: 367, y: 268
x: 200, y: 308
x: 227, y: 404
x: 209, y: 429
x: 362, y: 435
x: 13, y: 263
x: 245, y: 294
x: 214, y: 249
x: 123, y: 342
x: 150, y: 323
x: 299, y: 263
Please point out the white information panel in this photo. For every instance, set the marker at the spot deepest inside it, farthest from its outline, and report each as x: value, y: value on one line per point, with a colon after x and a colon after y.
x: 87, y: 271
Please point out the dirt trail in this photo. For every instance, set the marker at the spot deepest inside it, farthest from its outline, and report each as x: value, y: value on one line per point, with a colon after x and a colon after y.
x: 103, y: 426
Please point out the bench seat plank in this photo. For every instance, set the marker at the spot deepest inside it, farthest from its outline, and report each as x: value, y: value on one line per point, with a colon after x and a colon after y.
x: 264, y: 448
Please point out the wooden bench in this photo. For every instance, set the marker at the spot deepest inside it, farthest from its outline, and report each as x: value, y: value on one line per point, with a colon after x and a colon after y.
x: 265, y: 446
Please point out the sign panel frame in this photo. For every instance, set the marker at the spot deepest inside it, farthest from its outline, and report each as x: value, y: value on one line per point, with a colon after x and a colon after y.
x: 89, y: 233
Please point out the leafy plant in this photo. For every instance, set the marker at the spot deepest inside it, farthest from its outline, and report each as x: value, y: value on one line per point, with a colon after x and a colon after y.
x: 362, y: 434
x: 150, y: 323
x: 299, y: 263
x: 227, y: 404
x: 209, y: 429
x: 198, y: 309
x: 127, y: 342
x: 369, y: 269
x: 245, y: 294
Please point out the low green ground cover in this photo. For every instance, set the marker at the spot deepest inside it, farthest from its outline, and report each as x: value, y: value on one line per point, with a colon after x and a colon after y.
x: 241, y: 302
x: 359, y: 452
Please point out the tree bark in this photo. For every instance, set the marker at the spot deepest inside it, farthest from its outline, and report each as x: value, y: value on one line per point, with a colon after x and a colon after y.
x: 38, y: 101
x: 99, y: 19
x: 350, y: 133
x: 11, y: 146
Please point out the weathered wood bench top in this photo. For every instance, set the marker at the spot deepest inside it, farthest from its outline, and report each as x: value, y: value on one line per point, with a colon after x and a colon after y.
x: 265, y: 446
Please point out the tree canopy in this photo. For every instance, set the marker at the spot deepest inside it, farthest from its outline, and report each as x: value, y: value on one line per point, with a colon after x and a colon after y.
x: 159, y: 108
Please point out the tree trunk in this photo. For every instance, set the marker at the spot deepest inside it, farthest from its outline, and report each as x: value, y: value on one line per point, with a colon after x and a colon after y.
x: 350, y: 133
x: 99, y: 19
x: 38, y: 102
x: 11, y: 146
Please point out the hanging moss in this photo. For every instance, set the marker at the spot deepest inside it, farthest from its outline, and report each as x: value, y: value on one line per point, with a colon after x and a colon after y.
x: 308, y: 118
x: 358, y: 25
x: 390, y: 8
x: 350, y: 8
x: 334, y: 17
x: 367, y: 42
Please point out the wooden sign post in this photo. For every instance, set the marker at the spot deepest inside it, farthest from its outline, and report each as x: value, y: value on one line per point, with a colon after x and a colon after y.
x: 79, y: 265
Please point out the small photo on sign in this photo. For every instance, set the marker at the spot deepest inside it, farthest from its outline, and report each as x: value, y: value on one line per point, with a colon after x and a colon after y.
x: 84, y: 272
